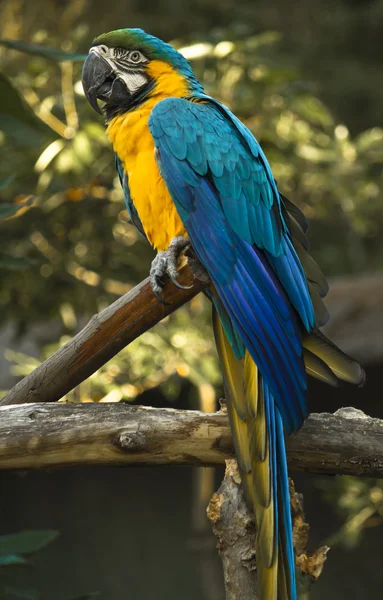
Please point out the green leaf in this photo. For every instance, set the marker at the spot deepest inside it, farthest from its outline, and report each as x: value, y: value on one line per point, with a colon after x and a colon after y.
x: 43, y: 51
x: 15, y: 263
x: 11, y: 559
x: 26, y: 541
x: 7, y: 210
x: 6, y: 182
x: 313, y: 110
x: 369, y: 139
x: 267, y: 38
x: 26, y: 593
x: 17, y: 119
x: 10, y: 209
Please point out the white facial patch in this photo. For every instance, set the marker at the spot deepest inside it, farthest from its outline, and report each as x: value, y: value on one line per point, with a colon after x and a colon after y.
x: 133, y: 81
x: 105, y: 52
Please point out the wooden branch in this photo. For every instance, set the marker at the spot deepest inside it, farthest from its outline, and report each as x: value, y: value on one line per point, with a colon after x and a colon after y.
x: 103, y: 337
x: 233, y: 526
x: 57, y: 435
x: 309, y: 564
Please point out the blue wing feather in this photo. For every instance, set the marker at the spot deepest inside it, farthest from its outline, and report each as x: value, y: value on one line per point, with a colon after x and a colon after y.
x: 133, y: 214
x: 226, y: 196
x: 250, y: 291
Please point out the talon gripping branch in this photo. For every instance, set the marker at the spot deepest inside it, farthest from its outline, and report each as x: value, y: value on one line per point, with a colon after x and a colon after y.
x: 190, y: 168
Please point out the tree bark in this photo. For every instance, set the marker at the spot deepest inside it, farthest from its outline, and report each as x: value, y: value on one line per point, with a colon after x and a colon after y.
x: 102, y: 338
x: 57, y: 435
x: 309, y: 565
x: 233, y: 526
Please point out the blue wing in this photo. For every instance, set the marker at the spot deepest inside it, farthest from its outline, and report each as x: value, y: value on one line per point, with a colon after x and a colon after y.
x: 133, y: 214
x: 226, y: 196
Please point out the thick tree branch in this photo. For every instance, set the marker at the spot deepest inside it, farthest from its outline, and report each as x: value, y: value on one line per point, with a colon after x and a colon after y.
x: 233, y: 526
x: 56, y: 435
x: 103, y: 337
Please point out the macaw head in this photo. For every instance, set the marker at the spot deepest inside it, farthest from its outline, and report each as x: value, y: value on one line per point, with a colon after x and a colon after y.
x: 127, y: 66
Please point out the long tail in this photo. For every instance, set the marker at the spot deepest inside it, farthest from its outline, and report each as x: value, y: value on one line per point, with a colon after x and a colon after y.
x: 258, y: 412
x: 260, y: 449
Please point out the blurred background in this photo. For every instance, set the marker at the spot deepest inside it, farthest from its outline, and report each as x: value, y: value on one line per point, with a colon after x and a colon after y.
x: 306, y: 77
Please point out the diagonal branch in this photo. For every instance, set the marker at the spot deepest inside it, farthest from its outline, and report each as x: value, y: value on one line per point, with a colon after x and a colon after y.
x: 56, y: 435
x: 103, y: 337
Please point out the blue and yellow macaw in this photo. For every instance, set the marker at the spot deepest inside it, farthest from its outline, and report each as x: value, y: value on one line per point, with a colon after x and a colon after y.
x: 192, y: 173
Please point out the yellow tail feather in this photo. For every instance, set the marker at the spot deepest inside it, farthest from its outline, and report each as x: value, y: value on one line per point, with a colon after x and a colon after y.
x: 328, y: 357
x: 246, y: 409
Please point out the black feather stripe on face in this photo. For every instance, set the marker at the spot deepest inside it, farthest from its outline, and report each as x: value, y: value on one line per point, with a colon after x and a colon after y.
x: 124, y: 57
x: 128, y: 102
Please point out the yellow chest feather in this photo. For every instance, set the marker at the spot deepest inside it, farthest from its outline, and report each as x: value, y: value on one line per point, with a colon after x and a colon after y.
x: 134, y: 145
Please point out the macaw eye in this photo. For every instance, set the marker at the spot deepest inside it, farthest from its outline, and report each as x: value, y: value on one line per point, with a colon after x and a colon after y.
x: 135, y: 56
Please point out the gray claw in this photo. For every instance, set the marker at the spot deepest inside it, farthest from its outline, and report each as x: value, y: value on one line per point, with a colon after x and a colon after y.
x: 179, y: 285
x: 165, y: 263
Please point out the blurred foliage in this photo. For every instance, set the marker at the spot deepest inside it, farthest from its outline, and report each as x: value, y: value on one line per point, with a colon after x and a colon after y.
x: 15, y: 552
x: 161, y: 357
x: 359, y: 502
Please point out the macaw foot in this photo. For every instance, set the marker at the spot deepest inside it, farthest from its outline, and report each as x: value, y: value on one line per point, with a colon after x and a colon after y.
x: 165, y: 264
x: 196, y: 267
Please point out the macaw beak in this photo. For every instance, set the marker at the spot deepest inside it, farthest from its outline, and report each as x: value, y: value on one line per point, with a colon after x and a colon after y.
x: 97, y: 80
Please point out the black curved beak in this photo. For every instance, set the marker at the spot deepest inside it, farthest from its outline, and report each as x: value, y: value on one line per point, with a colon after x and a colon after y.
x: 97, y: 79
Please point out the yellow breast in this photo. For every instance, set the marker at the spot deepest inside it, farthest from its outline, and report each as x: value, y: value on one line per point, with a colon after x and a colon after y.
x: 134, y: 145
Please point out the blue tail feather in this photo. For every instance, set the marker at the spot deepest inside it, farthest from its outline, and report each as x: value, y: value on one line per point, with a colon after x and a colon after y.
x: 281, y: 494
